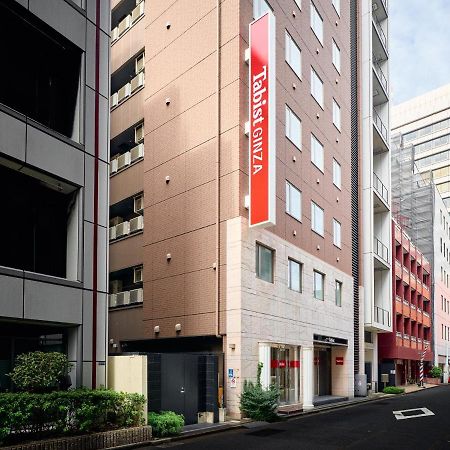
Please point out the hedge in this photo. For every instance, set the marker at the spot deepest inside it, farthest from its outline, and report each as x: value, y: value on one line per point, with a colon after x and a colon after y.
x: 25, y: 415
x: 393, y: 390
x: 166, y: 423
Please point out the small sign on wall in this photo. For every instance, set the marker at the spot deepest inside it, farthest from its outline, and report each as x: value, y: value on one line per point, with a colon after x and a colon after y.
x: 230, y: 373
x: 233, y: 382
x: 339, y: 360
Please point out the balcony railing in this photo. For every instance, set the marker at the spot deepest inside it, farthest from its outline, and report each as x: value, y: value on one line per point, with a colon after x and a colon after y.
x: 380, y: 125
x: 382, y: 316
x: 127, y: 22
x: 398, y: 334
x: 126, y: 228
x: 380, y: 188
x: 381, y: 33
x: 128, y: 89
x: 381, y: 250
x: 125, y: 159
x: 382, y: 76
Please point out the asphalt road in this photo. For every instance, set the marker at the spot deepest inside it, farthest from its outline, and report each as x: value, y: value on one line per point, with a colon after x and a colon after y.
x: 366, y: 426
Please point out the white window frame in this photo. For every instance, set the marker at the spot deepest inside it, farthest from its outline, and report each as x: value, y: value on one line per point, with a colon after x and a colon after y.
x: 317, y: 89
x: 291, y: 263
x: 290, y: 117
x: 260, y: 7
x: 317, y: 213
x: 318, y: 276
x: 292, y: 51
x: 316, y: 22
x: 337, y: 174
x: 336, y: 115
x: 317, y: 153
x: 337, y: 233
x: 336, y: 53
x: 337, y: 6
x: 291, y: 192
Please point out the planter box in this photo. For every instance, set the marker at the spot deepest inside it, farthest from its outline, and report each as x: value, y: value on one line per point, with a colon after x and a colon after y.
x: 94, y: 441
x: 432, y: 380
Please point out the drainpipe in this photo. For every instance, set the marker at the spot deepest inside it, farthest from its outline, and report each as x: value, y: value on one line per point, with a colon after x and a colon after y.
x: 218, y: 177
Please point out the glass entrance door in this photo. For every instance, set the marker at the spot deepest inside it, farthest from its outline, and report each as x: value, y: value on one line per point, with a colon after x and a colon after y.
x: 284, y: 371
x: 322, y: 371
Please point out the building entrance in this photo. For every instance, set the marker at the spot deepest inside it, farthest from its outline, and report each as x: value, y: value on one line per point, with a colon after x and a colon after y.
x: 322, y: 371
x: 285, y: 372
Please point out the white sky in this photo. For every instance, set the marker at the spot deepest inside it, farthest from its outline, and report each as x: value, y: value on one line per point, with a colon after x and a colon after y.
x: 419, y: 53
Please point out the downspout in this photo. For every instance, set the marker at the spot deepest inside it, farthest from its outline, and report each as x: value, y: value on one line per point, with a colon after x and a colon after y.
x: 218, y: 176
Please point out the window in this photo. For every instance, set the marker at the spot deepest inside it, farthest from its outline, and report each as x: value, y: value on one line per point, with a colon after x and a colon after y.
x: 298, y: 3
x: 338, y: 293
x: 293, y: 201
x: 293, y: 128
x: 337, y: 6
x: 336, y: 115
x: 336, y: 174
x: 264, y: 263
x: 316, y: 153
x: 316, y: 23
x: 295, y: 275
x: 319, y: 282
x: 316, y: 87
x: 293, y: 55
x: 336, y: 233
x: 260, y: 7
x: 336, y: 57
x: 317, y: 219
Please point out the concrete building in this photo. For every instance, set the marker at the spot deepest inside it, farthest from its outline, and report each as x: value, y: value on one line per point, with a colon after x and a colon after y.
x: 54, y: 128
x: 400, y: 352
x: 187, y: 274
x: 424, y: 122
x: 374, y: 177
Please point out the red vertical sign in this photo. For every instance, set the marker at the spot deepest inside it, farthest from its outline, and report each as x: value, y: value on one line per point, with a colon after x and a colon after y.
x: 262, y: 109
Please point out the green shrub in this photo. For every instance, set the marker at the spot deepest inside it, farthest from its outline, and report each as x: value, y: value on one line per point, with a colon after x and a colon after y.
x: 25, y: 415
x: 166, y: 423
x: 435, y: 372
x: 393, y: 390
x: 39, y: 371
x: 258, y: 403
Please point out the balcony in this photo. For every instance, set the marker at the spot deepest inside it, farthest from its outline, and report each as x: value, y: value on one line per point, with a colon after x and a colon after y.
x: 380, y: 9
x: 127, y: 90
x: 127, y: 22
x: 380, y: 86
x: 413, y: 342
x: 398, y: 305
x: 405, y: 275
x: 413, y: 313
x: 126, y: 217
x: 406, y: 341
x: 398, y: 234
x: 379, y: 41
x: 380, y: 135
x: 426, y: 292
x: 122, y: 161
x: 426, y: 320
x: 399, y: 339
x: 126, y: 287
x: 413, y: 281
x: 419, y: 286
x: 406, y: 309
x: 126, y: 228
x: 398, y: 270
x: 126, y: 298
x: 381, y: 191
x: 382, y: 254
x: 382, y: 316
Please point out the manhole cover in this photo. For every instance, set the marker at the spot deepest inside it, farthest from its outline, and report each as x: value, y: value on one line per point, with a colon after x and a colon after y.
x: 265, y: 432
x: 412, y: 413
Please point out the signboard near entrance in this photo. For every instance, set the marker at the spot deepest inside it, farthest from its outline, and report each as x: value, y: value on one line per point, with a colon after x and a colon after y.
x: 330, y: 340
x: 339, y: 360
x: 262, y: 109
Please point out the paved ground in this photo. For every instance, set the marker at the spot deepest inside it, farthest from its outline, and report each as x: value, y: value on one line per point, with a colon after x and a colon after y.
x: 366, y: 426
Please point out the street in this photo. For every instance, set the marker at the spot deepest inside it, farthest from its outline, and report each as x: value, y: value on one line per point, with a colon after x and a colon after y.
x: 367, y: 426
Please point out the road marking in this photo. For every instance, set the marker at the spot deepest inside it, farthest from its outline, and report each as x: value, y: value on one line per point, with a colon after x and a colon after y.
x: 409, y: 413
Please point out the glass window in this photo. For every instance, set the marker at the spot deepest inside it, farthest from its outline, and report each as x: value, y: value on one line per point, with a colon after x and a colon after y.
x: 264, y: 263
x: 336, y: 115
x: 260, y: 7
x: 293, y: 201
x: 295, y: 275
x: 338, y: 293
x: 293, y: 128
x: 316, y: 23
x: 336, y: 233
x: 316, y: 152
x: 336, y: 57
x: 293, y: 55
x: 336, y: 174
x: 316, y: 87
x: 319, y: 282
x: 317, y: 219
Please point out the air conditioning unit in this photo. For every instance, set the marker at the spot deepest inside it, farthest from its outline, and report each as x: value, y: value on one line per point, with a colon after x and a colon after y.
x: 137, y: 152
x: 138, y: 274
x: 137, y: 82
x: 138, y: 204
x: 123, y: 229
x: 140, y: 63
x: 112, y: 300
x: 114, y: 34
x: 137, y: 12
x: 114, y: 99
x: 136, y: 224
x: 124, y: 25
x: 113, y: 166
x: 139, y: 133
x: 124, y: 92
x: 115, y: 286
x: 137, y: 295
x: 123, y: 298
x: 115, y: 221
x: 112, y: 233
x: 123, y: 160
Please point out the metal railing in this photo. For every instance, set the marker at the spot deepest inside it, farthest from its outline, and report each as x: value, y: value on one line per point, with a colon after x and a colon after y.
x: 380, y: 188
x: 381, y: 250
x: 380, y: 125
x: 382, y: 316
x: 381, y: 76
x: 381, y: 33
